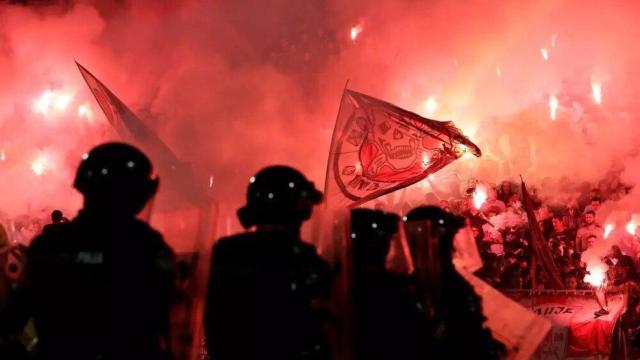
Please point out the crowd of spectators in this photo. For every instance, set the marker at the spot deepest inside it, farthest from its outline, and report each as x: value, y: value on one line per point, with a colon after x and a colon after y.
x: 501, y: 230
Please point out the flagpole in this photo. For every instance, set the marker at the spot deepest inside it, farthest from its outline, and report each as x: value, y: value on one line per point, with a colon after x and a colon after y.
x: 333, y: 140
x: 532, y: 265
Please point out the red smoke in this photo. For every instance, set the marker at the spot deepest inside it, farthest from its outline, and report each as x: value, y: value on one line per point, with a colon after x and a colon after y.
x: 234, y: 86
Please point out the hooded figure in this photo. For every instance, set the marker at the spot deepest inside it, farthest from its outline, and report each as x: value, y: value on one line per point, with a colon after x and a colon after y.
x: 452, y: 306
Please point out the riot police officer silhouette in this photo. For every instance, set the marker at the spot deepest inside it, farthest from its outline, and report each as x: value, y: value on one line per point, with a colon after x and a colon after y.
x: 100, y: 286
x: 453, y: 308
x: 388, y: 316
x: 263, y: 282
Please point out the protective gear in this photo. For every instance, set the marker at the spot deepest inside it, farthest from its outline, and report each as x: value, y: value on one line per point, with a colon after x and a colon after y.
x: 259, y: 303
x: 278, y: 194
x: 371, y: 233
x: 100, y: 289
x: 116, y: 175
x: 100, y: 286
x: 450, y: 302
x: 387, y: 320
x: 444, y: 225
x: 4, y: 238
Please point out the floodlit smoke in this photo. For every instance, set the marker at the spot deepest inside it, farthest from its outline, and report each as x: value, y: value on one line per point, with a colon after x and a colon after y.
x: 234, y: 86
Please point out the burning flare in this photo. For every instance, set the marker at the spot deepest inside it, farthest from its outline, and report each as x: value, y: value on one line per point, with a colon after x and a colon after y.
x: 608, y: 229
x: 355, y: 31
x: 430, y: 106
x: 631, y: 227
x: 51, y: 101
x: 545, y: 53
x: 39, y: 165
x: 595, y: 276
x: 553, y: 107
x: 84, y: 111
x: 479, y: 197
x: 596, y: 89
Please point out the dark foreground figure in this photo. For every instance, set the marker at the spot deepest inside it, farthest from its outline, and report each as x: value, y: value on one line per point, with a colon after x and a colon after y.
x: 100, y: 286
x: 388, y: 315
x: 263, y: 283
x: 453, y: 309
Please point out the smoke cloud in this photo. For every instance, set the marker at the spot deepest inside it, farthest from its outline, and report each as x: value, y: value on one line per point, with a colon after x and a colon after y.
x: 235, y: 86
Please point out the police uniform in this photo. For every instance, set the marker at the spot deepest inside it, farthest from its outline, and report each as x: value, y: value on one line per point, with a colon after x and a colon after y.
x: 262, y: 283
x: 454, y: 309
x: 100, y: 287
x: 259, y: 304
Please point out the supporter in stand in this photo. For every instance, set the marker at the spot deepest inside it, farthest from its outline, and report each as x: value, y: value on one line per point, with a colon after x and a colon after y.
x: 588, y: 230
x: 505, y: 192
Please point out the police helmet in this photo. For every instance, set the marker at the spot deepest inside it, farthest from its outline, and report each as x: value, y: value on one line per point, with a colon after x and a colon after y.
x: 278, y: 194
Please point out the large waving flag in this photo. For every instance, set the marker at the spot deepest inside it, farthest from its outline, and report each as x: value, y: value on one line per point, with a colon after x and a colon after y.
x: 378, y: 148
x: 131, y: 128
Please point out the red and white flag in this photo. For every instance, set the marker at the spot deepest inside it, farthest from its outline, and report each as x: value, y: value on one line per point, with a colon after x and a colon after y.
x: 378, y: 148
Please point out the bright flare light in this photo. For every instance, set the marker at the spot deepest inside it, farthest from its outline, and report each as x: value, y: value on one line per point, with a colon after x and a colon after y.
x: 62, y: 102
x: 3, y: 156
x: 355, y: 31
x: 595, y: 276
x: 608, y: 229
x: 39, y: 166
x: 430, y: 106
x: 51, y: 100
x: 498, y: 71
x: 596, y: 89
x: 42, y: 104
x: 545, y: 54
x: 631, y: 227
x: 84, y: 111
x: 553, y: 107
x: 210, y: 181
x: 479, y: 197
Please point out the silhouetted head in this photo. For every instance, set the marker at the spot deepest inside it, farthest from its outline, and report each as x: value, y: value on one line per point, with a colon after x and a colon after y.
x: 371, y: 233
x: 56, y: 216
x: 279, y: 195
x: 432, y: 224
x: 116, y: 179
